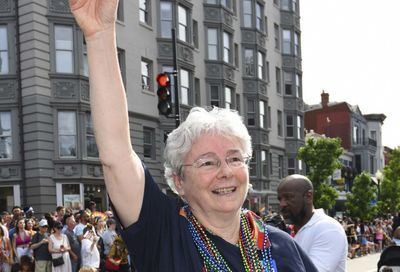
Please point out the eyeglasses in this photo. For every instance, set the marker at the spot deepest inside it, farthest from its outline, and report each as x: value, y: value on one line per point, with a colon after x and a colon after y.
x: 211, y: 162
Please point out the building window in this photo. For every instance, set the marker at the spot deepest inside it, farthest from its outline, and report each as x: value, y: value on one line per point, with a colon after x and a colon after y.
x: 253, y: 166
x: 291, y: 166
x: 64, y: 49
x: 184, y: 80
x: 299, y: 125
x: 263, y: 117
x: 228, y: 98
x: 212, y: 41
x: 287, y: 77
x: 280, y: 166
x: 251, y: 112
x: 297, y: 44
x: 182, y: 24
x: 195, y: 34
x: 5, y: 135
x: 285, y: 5
x: 277, y: 36
x: 236, y: 60
x: 294, y: 5
x: 227, y: 47
x: 286, y: 43
x: 267, y: 78
x: 146, y: 75
x: 300, y: 165
x: 356, y: 135
x: 279, y: 123
x: 278, y: 79
x: 166, y: 19
x: 271, y: 168
x: 4, y: 66
x: 264, y: 164
x: 298, y: 85
x: 226, y: 3
x: 247, y: 13
x: 120, y: 11
x: 260, y: 65
x: 85, y: 63
x: 237, y: 103
x: 372, y: 134
x: 249, y: 62
x: 259, y: 16
x: 67, y: 134
x: 91, y: 147
x: 269, y: 117
x: 289, y: 126
x: 144, y: 7
x: 197, y: 95
x: 148, y: 143
x: 121, y: 62
x: 214, y: 96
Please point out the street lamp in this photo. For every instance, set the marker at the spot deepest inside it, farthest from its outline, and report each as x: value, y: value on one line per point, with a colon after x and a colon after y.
x: 379, y: 177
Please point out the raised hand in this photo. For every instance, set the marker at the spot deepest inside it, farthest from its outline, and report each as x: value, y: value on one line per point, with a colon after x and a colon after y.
x: 94, y: 16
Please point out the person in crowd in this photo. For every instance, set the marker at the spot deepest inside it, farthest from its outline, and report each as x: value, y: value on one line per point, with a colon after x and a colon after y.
x: 89, y: 252
x: 109, y: 214
x: 60, y: 211
x: 379, y: 235
x: 321, y: 236
x: 118, y: 255
x: 40, y: 247
x: 396, y: 237
x: 84, y: 218
x: 29, y: 224
x: 109, y: 235
x: 27, y: 264
x: 50, y: 220
x: 16, y: 212
x: 75, y: 252
x: 21, y: 240
x: 29, y: 213
x: 6, y: 253
x: 92, y: 206
x: 206, y: 163
x: 59, y: 246
x: 100, y: 226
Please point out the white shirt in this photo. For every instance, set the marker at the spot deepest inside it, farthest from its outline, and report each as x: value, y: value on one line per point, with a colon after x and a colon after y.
x: 90, y: 258
x: 324, y: 241
x: 108, y: 239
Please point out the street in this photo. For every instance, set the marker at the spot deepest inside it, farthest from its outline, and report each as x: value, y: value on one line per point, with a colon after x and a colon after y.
x: 363, y: 264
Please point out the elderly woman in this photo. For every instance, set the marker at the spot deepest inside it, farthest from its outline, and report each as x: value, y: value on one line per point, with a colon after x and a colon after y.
x: 205, y: 163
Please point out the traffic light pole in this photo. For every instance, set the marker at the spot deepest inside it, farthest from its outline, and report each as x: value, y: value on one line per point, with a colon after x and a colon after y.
x: 175, y: 74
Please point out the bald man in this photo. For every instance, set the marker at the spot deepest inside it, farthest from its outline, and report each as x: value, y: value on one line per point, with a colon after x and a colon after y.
x: 320, y: 236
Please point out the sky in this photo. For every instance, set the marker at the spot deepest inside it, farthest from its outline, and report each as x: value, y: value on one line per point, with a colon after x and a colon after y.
x: 351, y: 50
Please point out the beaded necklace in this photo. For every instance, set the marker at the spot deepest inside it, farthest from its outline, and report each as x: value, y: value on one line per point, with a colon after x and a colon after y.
x: 212, y: 258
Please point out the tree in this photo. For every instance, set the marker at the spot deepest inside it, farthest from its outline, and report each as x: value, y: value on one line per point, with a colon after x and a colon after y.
x: 358, y: 202
x: 321, y: 157
x: 389, y: 198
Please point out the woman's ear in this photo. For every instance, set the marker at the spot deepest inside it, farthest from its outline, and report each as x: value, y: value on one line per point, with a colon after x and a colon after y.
x: 178, y: 184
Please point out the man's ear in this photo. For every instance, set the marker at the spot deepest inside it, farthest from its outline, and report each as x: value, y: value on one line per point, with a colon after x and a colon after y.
x: 178, y: 184
x: 309, y: 194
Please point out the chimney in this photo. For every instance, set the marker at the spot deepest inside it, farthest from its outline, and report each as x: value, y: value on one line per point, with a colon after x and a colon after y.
x: 324, y: 99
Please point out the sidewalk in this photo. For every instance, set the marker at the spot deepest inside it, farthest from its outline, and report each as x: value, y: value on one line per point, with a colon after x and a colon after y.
x: 366, y: 263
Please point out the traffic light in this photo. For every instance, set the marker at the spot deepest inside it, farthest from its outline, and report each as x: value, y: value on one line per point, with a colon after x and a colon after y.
x: 164, y: 94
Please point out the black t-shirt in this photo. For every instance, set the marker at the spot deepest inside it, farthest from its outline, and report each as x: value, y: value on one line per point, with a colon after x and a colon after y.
x: 160, y: 240
x: 41, y: 253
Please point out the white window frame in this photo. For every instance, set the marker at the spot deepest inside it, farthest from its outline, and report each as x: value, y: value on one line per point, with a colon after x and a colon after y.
x: 182, y: 23
x: 145, y: 68
x: 64, y: 48
x: 262, y: 114
x: 228, y: 98
x: 6, y: 135
x: 286, y: 41
x: 247, y: 13
x: 184, y: 77
x: 212, y: 43
x: 165, y: 19
x: 4, y: 50
x: 73, y: 133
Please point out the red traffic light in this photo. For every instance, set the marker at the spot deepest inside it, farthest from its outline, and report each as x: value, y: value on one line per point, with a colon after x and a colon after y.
x: 163, y: 80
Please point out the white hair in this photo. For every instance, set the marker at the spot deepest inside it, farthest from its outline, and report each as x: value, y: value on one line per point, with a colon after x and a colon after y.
x: 217, y: 121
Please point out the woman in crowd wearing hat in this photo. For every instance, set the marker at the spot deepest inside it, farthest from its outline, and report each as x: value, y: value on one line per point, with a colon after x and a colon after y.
x: 206, y: 163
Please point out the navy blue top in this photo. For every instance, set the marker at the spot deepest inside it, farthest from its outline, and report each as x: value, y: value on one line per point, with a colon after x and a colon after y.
x: 160, y: 240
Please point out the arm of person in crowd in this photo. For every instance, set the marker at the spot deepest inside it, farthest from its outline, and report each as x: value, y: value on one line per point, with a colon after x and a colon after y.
x: 35, y: 244
x: 327, y: 250
x: 14, y: 244
x: 123, y: 170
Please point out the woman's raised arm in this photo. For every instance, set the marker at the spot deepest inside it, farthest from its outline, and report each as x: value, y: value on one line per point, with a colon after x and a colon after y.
x: 123, y: 171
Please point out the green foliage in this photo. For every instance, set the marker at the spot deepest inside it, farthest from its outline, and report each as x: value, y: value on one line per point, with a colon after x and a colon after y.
x: 321, y: 157
x: 390, y: 186
x: 358, y: 202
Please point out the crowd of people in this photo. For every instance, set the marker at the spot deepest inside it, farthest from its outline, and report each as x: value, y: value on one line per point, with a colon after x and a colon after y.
x: 61, y: 241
